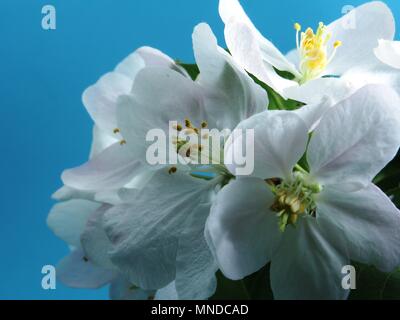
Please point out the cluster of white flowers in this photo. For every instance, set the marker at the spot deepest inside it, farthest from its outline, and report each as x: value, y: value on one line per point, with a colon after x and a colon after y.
x: 308, y: 208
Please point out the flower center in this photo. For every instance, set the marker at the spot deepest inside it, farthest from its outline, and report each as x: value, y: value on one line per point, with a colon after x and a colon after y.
x: 202, y: 149
x: 313, y: 51
x: 294, y: 198
x: 199, y: 145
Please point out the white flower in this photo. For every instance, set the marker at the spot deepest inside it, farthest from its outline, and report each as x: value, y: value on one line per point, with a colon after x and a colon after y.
x: 310, y: 224
x: 112, y: 167
x: 78, y: 223
x: 389, y: 53
x: 327, y: 61
x: 158, y: 233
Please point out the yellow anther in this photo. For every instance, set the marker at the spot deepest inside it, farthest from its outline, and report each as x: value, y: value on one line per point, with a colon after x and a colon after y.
x: 179, y: 127
x: 188, y: 124
x: 297, y: 26
x: 295, y: 206
x: 204, y: 124
x: 293, y: 219
x: 172, y: 170
x: 313, y: 52
x: 116, y: 130
x: 122, y: 142
x: 337, y: 44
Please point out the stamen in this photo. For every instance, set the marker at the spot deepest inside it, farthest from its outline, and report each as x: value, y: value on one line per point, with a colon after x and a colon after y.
x: 297, y: 27
x: 312, y: 48
x: 336, y: 45
x: 122, y: 142
x: 172, y: 170
x: 293, y: 199
x: 116, y: 130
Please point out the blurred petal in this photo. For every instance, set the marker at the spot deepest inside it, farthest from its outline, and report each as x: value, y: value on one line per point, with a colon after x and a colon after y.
x: 66, y: 193
x: 111, y: 169
x: 101, y: 141
x: 74, y: 271
x: 389, y: 53
x: 95, y: 242
x: 100, y: 99
x: 68, y: 219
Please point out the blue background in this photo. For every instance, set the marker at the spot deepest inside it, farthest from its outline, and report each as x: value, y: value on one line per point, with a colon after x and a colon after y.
x: 44, y: 125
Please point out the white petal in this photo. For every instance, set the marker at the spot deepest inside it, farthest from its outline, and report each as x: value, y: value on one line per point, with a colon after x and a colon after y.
x: 381, y: 74
x: 307, y: 266
x: 66, y: 193
x: 146, y: 57
x: 253, y: 54
x: 100, y: 99
x: 131, y: 65
x: 167, y: 293
x: 146, y: 232
x: 68, y: 219
x: 311, y: 114
x: 111, y: 169
x: 315, y: 91
x: 152, y: 106
x: 356, y: 138
x: 389, y: 52
x: 195, y: 264
x: 280, y: 140
x: 121, y: 289
x: 74, y: 271
x: 95, y: 242
x: 219, y: 74
x: 369, y: 222
x: 359, y: 32
x: 231, y: 13
x: 101, y: 141
x: 293, y: 56
x: 241, y: 230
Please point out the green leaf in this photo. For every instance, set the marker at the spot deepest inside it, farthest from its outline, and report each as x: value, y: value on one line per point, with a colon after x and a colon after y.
x: 276, y: 102
x: 254, y: 287
x: 191, y: 69
x: 373, y: 284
